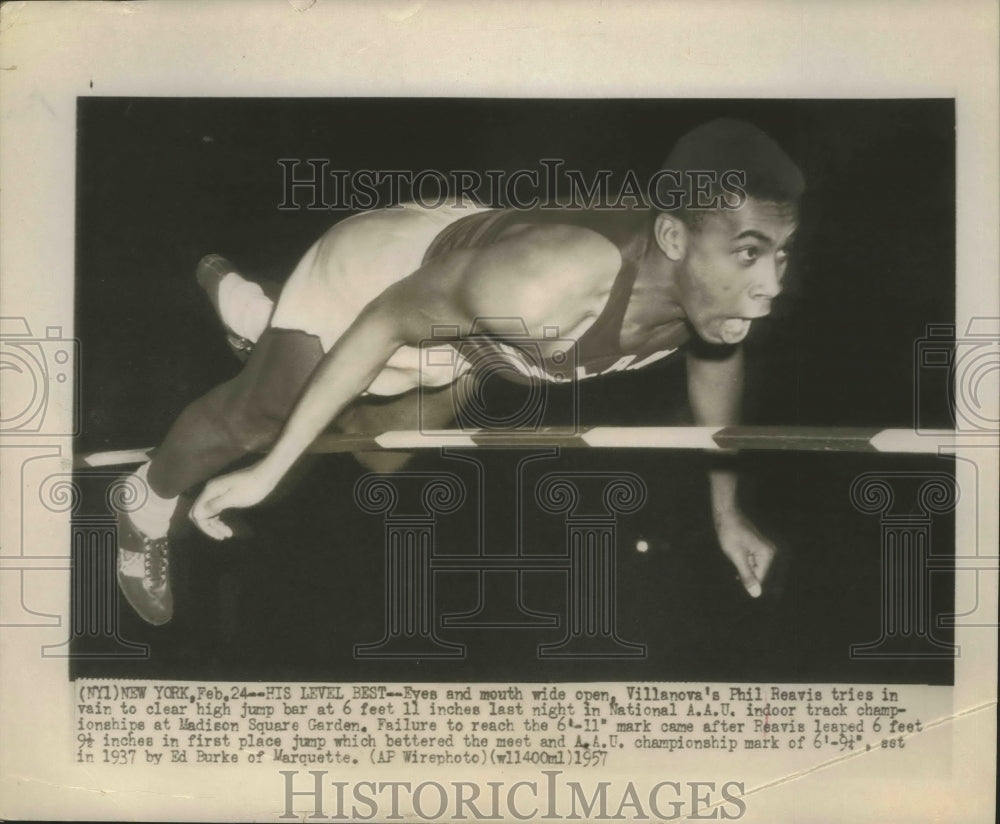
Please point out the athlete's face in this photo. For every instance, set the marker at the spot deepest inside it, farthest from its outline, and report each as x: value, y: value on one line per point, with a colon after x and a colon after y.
x: 733, y: 268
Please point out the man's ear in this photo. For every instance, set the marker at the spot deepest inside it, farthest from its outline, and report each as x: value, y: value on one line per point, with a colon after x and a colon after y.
x: 671, y: 236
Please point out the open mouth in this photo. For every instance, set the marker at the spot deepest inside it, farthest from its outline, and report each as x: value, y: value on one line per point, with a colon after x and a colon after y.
x: 733, y: 330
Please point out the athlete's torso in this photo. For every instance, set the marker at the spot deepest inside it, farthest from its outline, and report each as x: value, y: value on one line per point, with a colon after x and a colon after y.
x: 362, y: 256
x: 561, y: 355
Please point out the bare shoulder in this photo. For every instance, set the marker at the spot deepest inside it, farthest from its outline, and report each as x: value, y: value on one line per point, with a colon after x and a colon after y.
x: 541, y: 271
x: 556, y: 251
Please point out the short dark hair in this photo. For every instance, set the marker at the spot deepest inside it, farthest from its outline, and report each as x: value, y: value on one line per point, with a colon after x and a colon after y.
x: 730, y: 145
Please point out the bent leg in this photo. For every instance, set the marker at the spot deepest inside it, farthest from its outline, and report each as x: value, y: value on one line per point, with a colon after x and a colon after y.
x: 217, y: 429
x: 237, y: 417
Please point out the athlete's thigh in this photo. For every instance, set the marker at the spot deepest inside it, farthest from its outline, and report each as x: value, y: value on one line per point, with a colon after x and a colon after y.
x: 278, y: 369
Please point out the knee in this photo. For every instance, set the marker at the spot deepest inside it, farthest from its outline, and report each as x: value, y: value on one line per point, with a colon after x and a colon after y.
x: 232, y: 413
x: 251, y: 422
x: 256, y: 426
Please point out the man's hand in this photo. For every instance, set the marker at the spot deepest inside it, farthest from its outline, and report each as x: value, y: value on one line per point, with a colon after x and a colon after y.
x: 237, y: 490
x: 750, y: 552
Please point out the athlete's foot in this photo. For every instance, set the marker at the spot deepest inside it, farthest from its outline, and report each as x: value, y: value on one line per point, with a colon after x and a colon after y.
x: 144, y: 573
x: 209, y: 273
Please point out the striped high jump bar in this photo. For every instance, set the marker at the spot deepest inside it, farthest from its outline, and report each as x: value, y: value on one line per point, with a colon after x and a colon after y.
x: 712, y: 438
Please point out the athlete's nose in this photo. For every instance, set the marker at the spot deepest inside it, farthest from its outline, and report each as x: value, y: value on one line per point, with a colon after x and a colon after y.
x: 767, y: 284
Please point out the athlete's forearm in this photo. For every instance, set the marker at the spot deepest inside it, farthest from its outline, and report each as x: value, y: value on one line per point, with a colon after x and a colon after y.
x: 343, y: 374
x: 715, y: 392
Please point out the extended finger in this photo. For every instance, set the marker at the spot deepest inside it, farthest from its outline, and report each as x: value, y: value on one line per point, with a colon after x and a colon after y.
x: 205, y: 515
x: 211, y: 502
x: 763, y: 558
x: 214, y: 528
x: 747, y: 577
x: 218, y: 529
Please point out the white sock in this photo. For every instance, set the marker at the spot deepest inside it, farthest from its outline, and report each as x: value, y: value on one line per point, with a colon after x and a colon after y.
x: 152, y: 519
x: 244, y: 307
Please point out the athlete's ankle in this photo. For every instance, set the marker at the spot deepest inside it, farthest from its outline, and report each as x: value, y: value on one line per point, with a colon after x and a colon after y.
x: 152, y: 516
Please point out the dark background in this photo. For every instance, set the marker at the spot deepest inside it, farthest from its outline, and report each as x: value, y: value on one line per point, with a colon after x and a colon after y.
x: 163, y: 181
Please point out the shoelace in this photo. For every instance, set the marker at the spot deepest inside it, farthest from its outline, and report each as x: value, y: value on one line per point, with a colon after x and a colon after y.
x: 156, y: 560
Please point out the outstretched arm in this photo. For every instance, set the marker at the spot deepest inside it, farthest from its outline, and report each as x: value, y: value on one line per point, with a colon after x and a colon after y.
x: 715, y: 391
x: 542, y: 280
